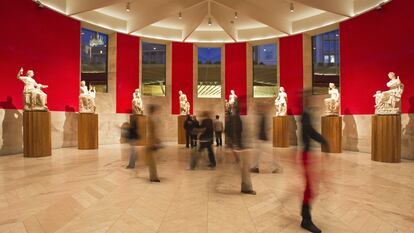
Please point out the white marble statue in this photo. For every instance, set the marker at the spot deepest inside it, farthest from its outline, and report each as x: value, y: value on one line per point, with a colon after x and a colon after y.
x: 137, y: 104
x: 184, y: 104
x: 233, y: 102
x: 389, y: 102
x: 34, y: 98
x: 87, y: 99
x: 281, y: 102
x: 332, y: 103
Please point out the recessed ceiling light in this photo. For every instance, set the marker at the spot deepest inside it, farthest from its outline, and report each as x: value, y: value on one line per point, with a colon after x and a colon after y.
x: 292, y: 7
x: 236, y: 15
x: 180, y: 16
x: 209, y: 22
x: 128, y: 7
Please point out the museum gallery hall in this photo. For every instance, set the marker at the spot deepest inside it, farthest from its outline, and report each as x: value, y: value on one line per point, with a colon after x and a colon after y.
x: 206, y: 116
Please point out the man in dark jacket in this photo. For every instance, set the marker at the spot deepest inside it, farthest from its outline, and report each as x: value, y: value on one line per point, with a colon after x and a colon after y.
x: 188, y: 127
x: 206, y: 138
x: 194, y: 131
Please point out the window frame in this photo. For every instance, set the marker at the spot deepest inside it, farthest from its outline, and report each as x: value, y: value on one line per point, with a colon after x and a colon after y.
x: 141, y: 53
x: 221, y: 47
x: 277, y: 47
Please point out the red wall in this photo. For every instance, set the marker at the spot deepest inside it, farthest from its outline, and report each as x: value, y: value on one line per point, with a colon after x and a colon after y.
x: 44, y: 41
x: 182, y: 74
x: 291, y: 71
x: 127, y: 71
x: 372, y: 45
x: 236, y: 77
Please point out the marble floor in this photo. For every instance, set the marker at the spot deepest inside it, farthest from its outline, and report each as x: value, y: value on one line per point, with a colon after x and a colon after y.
x: 91, y: 191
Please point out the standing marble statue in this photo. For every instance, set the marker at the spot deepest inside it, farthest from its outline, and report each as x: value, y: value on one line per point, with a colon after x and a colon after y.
x: 184, y: 104
x: 34, y: 98
x: 233, y: 102
x: 87, y: 99
x: 281, y: 102
x: 332, y: 103
x: 137, y: 104
x: 389, y: 102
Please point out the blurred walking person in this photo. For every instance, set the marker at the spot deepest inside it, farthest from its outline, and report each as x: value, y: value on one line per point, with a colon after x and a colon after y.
x: 132, y: 138
x: 188, y: 127
x: 261, y: 142
x: 194, y: 132
x: 308, y: 133
x: 240, y: 151
x: 206, y: 138
x: 218, y: 131
x: 153, y: 144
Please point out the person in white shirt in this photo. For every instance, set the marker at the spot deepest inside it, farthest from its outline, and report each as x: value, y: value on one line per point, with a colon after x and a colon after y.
x: 218, y: 130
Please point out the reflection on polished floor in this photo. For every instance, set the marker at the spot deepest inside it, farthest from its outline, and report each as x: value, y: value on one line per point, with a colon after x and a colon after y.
x: 91, y: 191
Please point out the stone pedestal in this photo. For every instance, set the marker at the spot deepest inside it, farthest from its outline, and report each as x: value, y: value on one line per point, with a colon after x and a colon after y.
x: 180, y: 129
x: 332, y: 132
x: 141, y: 123
x: 280, y: 131
x: 88, y: 131
x: 386, y: 138
x: 37, y: 134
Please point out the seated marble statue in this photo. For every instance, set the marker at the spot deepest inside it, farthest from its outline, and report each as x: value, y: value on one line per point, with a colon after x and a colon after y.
x: 332, y: 103
x: 233, y: 102
x: 87, y: 99
x: 137, y: 104
x: 184, y: 104
x: 281, y: 102
x: 34, y: 98
x: 389, y: 102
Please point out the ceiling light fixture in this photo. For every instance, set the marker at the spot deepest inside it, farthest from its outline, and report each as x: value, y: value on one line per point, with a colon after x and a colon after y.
x: 292, y: 7
x: 180, y: 16
x: 235, y: 15
x: 209, y: 22
x: 128, y: 7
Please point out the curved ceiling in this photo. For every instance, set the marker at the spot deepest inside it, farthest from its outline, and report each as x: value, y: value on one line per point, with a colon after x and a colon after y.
x: 256, y: 19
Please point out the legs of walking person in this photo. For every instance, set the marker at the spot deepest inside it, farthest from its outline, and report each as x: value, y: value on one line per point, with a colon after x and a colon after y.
x: 256, y: 160
x: 132, y: 157
x: 246, y: 181
x: 307, y: 197
x: 152, y: 166
x: 211, y: 156
x: 217, y: 138
x: 220, y: 139
x: 187, y: 139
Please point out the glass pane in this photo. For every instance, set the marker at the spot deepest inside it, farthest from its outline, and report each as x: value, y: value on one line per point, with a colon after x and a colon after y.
x: 94, y: 59
x: 209, y: 73
x: 264, y: 70
x: 153, y: 69
x: 325, y: 61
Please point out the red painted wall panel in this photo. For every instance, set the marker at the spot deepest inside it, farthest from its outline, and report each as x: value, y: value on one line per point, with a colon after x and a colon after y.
x: 44, y: 41
x: 236, y: 76
x: 127, y: 71
x: 182, y: 74
x: 291, y: 71
x: 372, y: 45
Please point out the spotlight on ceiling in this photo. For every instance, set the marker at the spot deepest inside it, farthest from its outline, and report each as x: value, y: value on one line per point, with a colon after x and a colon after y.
x: 292, y: 7
x: 128, y: 7
x: 209, y: 22
x: 180, y: 16
x: 235, y: 15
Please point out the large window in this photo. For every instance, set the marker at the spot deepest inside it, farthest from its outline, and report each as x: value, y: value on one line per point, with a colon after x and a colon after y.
x: 209, y: 73
x: 325, y: 61
x: 264, y: 70
x: 153, y: 69
x: 94, y: 59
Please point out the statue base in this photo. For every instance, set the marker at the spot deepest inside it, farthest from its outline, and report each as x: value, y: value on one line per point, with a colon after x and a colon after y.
x: 37, y: 134
x: 141, y: 123
x: 386, y: 138
x: 87, y: 131
x: 180, y: 129
x: 280, y: 131
x: 332, y: 132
